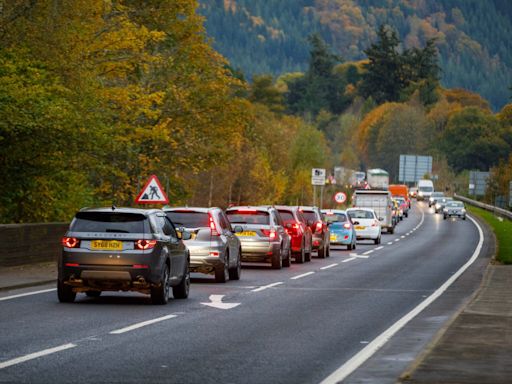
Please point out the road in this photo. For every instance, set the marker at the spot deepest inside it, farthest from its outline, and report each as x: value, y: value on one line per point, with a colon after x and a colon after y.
x: 296, y: 325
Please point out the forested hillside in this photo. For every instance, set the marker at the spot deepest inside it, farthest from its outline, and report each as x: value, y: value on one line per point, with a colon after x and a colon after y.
x: 269, y: 36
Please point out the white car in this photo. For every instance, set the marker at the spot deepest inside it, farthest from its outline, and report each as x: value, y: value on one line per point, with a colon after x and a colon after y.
x: 366, y: 224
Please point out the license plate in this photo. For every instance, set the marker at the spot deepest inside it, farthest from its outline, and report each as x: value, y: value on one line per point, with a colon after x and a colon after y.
x: 246, y: 233
x: 333, y: 237
x: 107, y: 245
x: 360, y: 227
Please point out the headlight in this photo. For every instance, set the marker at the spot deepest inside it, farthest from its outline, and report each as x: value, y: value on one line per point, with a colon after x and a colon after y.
x: 445, y: 210
x: 420, y: 193
x: 463, y: 210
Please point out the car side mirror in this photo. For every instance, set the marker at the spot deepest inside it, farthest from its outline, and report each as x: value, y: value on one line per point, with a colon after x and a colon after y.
x: 355, y: 222
x: 381, y: 219
x: 238, y: 229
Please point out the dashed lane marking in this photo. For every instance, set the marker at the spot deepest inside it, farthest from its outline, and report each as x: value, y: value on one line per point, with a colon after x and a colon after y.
x: 368, y: 252
x: 329, y: 266
x: 378, y: 248
x: 301, y: 276
x: 267, y: 286
x: 390, y: 243
x: 347, y: 260
x: 397, y: 240
x: 35, y: 355
x: 141, y: 324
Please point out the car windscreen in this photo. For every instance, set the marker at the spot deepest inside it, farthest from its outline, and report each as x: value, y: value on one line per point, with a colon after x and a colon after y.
x: 360, y: 214
x: 111, y: 222
x: 309, y: 215
x: 426, y: 189
x: 437, y: 194
x: 248, y: 217
x: 287, y: 217
x: 455, y: 204
x: 335, y: 217
x: 189, y: 219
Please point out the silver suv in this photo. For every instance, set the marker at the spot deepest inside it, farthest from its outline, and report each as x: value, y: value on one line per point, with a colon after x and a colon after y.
x: 214, y: 247
x: 263, y: 236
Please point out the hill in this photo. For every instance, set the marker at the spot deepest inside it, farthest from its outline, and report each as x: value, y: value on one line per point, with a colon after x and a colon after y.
x: 269, y: 36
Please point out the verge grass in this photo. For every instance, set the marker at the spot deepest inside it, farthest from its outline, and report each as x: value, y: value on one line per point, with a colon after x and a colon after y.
x: 503, y: 230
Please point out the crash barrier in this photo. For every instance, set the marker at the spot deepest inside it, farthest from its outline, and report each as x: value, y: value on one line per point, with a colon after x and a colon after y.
x: 30, y: 243
x: 497, y: 211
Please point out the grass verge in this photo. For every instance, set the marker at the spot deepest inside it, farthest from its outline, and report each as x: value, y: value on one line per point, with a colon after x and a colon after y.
x: 503, y: 231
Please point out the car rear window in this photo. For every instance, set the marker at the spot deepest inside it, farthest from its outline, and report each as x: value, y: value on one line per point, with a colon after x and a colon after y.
x: 111, y: 222
x: 310, y: 215
x: 189, y: 219
x: 335, y: 217
x: 248, y: 217
x: 287, y: 216
x: 361, y: 214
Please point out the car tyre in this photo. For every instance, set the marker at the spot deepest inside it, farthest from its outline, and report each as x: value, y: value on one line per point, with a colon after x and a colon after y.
x: 277, y: 259
x: 444, y: 217
x: 322, y: 252
x: 93, y: 293
x: 390, y: 230
x: 349, y: 247
x: 301, y: 256
x: 377, y: 240
x: 288, y: 260
x: 328, y: 251
x: 160, y: 293
x: 307, y: 256
x: 182, y: 290
x: 222, y: 272
x: 235, y: 273
x: 463, y: 217
x: 65, y: 292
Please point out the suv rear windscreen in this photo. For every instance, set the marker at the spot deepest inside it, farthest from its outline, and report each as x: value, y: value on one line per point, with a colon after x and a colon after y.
x: 287, y: 217
x: 189, y: 219
x: 248, y: 217
x: 310, y: 215
x: 111, y: 222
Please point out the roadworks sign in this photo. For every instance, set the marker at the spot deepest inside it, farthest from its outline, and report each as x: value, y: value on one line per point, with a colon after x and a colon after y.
x: 152, y: 193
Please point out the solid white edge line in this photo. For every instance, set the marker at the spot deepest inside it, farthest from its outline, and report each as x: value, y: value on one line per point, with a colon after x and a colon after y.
x: 141, y: 324
x: 301, y: 276
x: 329, y: 266
x: 35, y: 355
x: 347, y: 260
x: 27, y: 294
x: 267, y: 286
x: 359, y: 358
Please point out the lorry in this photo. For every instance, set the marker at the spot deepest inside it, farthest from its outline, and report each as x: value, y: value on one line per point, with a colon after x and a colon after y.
x: 378, y: 200
x: 400, y: 190
x: 377, y: 179
x: 425, y: 189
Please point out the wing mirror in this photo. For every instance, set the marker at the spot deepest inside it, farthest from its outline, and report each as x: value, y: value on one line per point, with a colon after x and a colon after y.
x: 355, y: 222
x: 381, y: 219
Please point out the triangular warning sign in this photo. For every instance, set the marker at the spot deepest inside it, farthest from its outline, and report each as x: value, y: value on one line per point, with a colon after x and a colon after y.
x: 152, y: 193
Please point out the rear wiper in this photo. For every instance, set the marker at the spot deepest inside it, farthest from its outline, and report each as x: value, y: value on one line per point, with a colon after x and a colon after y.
x: 117, y: 230
x: 239, y: 222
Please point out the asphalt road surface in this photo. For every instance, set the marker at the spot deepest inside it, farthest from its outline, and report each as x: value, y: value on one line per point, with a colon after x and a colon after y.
x: 296, y: 325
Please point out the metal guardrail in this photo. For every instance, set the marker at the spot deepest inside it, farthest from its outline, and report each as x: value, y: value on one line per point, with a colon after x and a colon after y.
x: 498, y: 211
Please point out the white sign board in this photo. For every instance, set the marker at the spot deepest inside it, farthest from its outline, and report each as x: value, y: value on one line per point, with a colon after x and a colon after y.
x: 318, y: 176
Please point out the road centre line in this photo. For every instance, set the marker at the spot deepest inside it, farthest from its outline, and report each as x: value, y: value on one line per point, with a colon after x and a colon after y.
x: 347, y: 260
x: 358, y: 256
x: 390, y: 243
x: 378, y: 248
x: 329, y: 266
x: 402, y: 237
x: 301, y: 276
x: 141, y: 324
x: 359, y: 358
x: 397, y: 240
x: 35, y: 355
x: 368, y: 252
x: 27, y: 294
x: 267, y: 286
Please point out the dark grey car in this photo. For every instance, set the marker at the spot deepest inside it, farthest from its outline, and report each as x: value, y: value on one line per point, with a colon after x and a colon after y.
x: 214, y: 246
x: 123, y: 249
x: 454, y: 208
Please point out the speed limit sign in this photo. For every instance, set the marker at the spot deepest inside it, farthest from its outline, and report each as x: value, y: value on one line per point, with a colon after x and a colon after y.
x: 340, y: 197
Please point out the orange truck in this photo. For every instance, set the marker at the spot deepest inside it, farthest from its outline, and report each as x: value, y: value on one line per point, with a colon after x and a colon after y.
x: 400, y: 190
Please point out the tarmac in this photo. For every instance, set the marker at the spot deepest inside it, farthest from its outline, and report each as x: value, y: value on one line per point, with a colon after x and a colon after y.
x: 474, y: 348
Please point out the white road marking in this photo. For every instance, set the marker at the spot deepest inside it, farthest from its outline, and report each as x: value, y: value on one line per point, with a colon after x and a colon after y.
x: 358, y: 256
x: 402, y: 237
x: 301, y: 276
x: 35, y: 355
x: 390, y: 243
x: 359, y: 358
x: 216, y: 302
x: 141, y: 324
x: 267, y: 286
x: 329, y: 266
x: 397, y: 240
x: 27, y: 294
x: 378, y: 248
x: 368, y: 252
x: 347, y: 260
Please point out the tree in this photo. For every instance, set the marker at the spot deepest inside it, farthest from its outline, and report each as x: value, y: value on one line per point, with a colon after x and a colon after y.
x: 264, y: 91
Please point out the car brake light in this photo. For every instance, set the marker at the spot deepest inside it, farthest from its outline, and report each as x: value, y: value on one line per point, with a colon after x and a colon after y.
x: 72, y: 265
x: 346, y: 226
x: 213, y: 227
x: 145, y: 244
x: 375, y: 223
x: 140, y: 266
x: 70, y: 242
x: 214, y: 254
x: 318, y: 226
x: 271, y: 233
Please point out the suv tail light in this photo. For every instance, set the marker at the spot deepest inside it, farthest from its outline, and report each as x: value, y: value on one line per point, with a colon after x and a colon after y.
x: 271, y: 233
x: 213, y: 227
x: 70, y: 242
x: 294, y: 230
x: 319, y: 226
x: 145, y: 244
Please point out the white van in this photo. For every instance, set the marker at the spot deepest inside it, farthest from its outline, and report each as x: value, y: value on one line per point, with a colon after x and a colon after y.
x: 425, y: 189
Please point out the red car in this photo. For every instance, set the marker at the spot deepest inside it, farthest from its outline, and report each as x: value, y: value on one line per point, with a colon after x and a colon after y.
x: 299, y: 231
x: 320, y: 230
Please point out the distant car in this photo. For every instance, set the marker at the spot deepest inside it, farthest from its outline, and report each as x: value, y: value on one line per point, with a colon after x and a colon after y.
x: 440, y: 203
x: 413, y: 192
x: 263, y: 236
x: 123, y: 249
x: 395, y: 211
x: 319, y: 229
x: 214, y: 247
x: 454, y: 208
x: 342, y: 230
x: 434, y: 197
x: 404, y: 206
x: 366, y: 224
x: 301, y: 235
